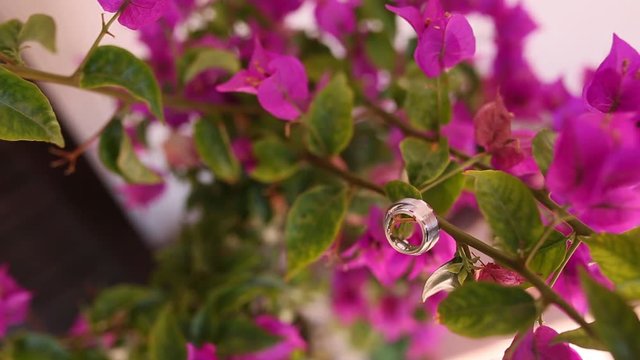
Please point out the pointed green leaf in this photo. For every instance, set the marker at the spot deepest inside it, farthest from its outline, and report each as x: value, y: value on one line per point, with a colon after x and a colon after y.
x: 580, y: 337
x: 542, y: 147
x: 197, y: 60
x: 212, y: 143
x: 329, y: 122
x: 442, y: 196
x: 313, y: 224
x: 616, y: 324
x: 40, y: 28
x: 131, y: 168
x: 424, y: 161
x: 549, y: 256
x: 275, y: 160
x: 113, y: 66
x: 166, y: 341
x: 421, y: 104
x: 618, y: 256
x: 25, y: 113
x: 380, y: 50
x: 510, y: 209
x: 480, y: 309
x: 9, y: 45
x: 117, y: 154
x: 398, y: 190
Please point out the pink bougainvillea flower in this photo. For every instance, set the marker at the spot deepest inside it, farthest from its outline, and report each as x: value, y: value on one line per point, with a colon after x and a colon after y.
x: 568, y: 284
x: 141, y: 195
x: 492, y: 272
x: 493, y: 125
x: 512, y: 74
x: 283, y: 350
x: 596, y: 171
x: 511, y: 151
x: 279, y: 81
x: 138, y: 13
x: 393, y: 317
x: 387, y: 265
x: 14, y: 301
x: 205, y: 352
x: 336, y: 17
x: 460, y: 130
x: 517, y: 159
x: 425, y: 341
x: 539, y: 345
x: 366, y: 72
x: 615, y: 86
x: 243, y: 151
x: 487, y: 7
x: 348, y: 294
x: 444, y: 39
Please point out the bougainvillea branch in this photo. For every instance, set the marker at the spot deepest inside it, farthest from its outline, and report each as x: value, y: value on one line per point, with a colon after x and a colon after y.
x: 274, y: 130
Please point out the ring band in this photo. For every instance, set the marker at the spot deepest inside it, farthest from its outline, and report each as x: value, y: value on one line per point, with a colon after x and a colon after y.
x: 422, y: 214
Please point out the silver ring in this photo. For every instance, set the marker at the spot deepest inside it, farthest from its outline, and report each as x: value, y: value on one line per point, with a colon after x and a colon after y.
x: 410, y: 212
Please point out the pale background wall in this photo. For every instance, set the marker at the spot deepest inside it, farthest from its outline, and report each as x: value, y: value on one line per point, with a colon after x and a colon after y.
x: 573, y: 34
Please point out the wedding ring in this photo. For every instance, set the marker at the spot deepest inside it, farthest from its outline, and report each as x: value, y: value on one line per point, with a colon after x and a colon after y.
x: 400, y: 223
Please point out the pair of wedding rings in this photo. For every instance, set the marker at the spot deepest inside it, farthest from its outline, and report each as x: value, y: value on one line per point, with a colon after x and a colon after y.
x: 407, y: 218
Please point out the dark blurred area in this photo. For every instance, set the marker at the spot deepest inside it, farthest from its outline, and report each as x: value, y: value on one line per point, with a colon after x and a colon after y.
x: 64, y: 237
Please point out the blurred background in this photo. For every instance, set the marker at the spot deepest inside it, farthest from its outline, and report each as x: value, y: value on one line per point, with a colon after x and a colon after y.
x: 73, y: 234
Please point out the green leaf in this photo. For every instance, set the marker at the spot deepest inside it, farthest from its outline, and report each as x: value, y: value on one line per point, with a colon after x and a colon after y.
x: 427, y: 103
x: 212, y: 143
x: 480, y: 309
x: 275, y: 160
x: 117, y: 154
x: 114, y: 300
x: 616, y: 324
x: 9, y: 45
x: 510, y: 209
x: 39, y: 28
x: 113, y: 66
x: 312, y: 224
x: 166, y: 341
x: 398, y: 190
x: 549, y: 256
x: 542, y: 147
x: 442, y: 196
x: 32, y: 346
x: 197, y: 60
x: 618, y: 257
x: 424, y: 161
x: 25, y: 113
x: 329, y: 122
x: 580, y: 337
x: 420, y: 105
x: 380, y: 50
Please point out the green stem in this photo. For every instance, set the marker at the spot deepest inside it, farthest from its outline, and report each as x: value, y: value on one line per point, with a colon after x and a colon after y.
x: 464, y: 238
x: 444, y: 177
x: 546, y: 292
x: 103, y: 31
x: 572, y: 250
x: 171, y: 101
